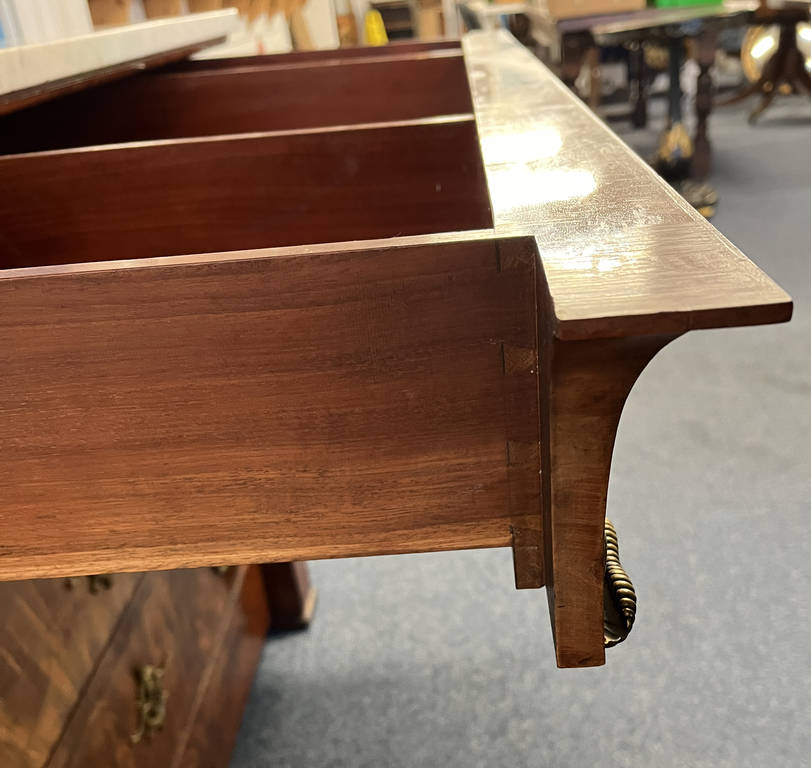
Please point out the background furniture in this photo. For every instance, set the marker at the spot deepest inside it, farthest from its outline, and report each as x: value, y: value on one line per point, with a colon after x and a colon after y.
x: 678, y: 155
x: 137, y: 669
x: 575, y: 42
x: 786, y: 67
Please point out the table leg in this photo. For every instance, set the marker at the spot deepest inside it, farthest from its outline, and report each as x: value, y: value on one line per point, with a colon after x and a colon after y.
x: 702, y: 151
x: 291, y: 597
x: 573, y: 53
x: 583, y: 389
x: 675, y: 149
x: 638, y: 84
x: 696, y: 190
x: 593, y: 63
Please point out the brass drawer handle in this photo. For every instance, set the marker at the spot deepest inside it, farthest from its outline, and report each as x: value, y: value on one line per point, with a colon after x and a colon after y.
x: 95, y: 583
x: 151, y: 702
x: 619, y: 596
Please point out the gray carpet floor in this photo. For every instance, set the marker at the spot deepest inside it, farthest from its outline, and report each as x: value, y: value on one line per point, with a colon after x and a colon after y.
x: 435, y: 660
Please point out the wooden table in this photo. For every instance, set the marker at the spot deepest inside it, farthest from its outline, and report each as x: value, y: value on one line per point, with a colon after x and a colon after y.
x: 672, y: 26
x: 785, y: 70
x: 576, y: 42
x: 255, y: 312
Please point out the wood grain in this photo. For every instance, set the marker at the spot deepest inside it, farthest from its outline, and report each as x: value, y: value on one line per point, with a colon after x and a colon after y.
x: 245, y: 99
x: 209, y: 195
x: 51, y: 639
x: 585, y: 390
x: 175, y: 620
x: 264, y: 409
x: 216, y: 725
x: 352, y: 399
x: 623, y: 254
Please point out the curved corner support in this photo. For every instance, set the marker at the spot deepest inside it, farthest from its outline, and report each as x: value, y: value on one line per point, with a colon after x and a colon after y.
x: 583, y: 389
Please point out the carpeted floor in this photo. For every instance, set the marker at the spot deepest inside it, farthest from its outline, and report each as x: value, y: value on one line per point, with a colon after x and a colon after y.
x: 435, y: 660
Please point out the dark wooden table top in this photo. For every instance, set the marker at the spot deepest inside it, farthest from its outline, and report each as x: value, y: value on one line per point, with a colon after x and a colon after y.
x: 623, y: 253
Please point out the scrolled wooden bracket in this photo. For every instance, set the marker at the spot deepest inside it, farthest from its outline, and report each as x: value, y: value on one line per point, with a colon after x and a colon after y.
x: 582, y: 399
x: 619, y: 594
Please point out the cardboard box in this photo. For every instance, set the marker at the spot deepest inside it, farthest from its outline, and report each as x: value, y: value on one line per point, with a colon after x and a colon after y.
x: 567, y: 9
x: 110, y: 13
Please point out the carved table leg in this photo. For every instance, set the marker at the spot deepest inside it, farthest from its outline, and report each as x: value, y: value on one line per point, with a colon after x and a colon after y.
x: 696, y: 190
x: 702, y: 151
x: 290, y: 595
x: 573, y: 53
x: 592, y: 61
x: 582, y: 394
x: 675, y: 148
x: 785, y: 68
x: 637, y: 77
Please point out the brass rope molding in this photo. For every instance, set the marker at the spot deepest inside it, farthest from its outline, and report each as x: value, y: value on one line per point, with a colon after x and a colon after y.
x: 620, y: 595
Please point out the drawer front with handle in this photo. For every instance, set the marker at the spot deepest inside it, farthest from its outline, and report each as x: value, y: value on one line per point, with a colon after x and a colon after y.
x: 143, y: 695
x: 52, y: 635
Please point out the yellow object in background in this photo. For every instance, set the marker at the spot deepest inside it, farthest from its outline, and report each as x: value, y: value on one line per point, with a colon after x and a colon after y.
x: 373, y: 28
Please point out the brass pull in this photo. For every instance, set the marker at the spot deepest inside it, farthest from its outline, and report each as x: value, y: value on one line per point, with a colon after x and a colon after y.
x: 94, y: 583
x: 619, y: 595
x: 151, y: 702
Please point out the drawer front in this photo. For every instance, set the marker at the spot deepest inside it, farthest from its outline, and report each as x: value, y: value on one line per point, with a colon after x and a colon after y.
x: 215, y: 728
x: 52, y: 634
x: 175, y: 622
x: 289, y: 406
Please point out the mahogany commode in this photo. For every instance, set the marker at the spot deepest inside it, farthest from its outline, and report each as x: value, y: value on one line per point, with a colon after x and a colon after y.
x: 238, y: 333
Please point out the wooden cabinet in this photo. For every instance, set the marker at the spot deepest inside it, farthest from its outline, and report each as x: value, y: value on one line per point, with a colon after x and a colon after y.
x: 72, y: 663
x: 51, y: 638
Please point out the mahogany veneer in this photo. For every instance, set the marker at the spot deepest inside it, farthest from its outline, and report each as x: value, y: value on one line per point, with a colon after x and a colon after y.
x: 210, y: 101
x: 428, y: 347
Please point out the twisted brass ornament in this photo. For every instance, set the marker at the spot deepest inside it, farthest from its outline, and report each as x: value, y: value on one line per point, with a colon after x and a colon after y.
x: 151, y: 702
x: 619, y: 594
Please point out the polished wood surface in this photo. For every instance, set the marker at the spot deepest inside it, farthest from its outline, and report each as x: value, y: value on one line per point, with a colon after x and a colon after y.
x: 625, y: 265
x: 623, y: 253
x: 174, y: 621
x: 583, y: 396
x: 254, y: 98
x: 356, y: 398
x: 223, y: 696
x: 208, y: 195
x: 51, y: 638
x: 272, y: 406
x: 70, y: 650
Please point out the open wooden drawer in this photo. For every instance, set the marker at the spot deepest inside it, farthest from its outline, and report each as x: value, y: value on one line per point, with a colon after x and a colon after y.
x: 296, y: 308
